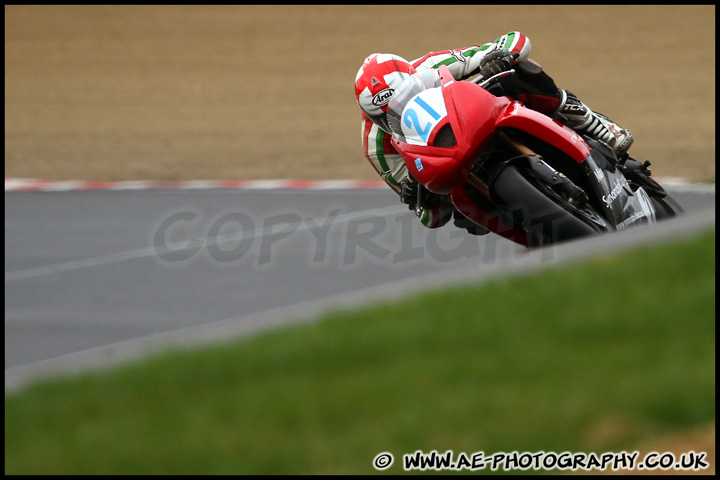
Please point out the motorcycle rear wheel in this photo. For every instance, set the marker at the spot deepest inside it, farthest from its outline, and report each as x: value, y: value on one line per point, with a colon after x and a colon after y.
x: 545, y: 216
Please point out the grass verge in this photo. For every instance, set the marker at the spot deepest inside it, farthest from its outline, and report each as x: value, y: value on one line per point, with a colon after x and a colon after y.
x: 542, y: 362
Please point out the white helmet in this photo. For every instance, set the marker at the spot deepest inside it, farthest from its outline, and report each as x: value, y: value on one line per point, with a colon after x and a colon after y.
x: 375, y: 83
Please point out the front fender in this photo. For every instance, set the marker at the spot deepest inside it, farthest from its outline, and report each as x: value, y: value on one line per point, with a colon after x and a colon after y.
x: 468, y: 207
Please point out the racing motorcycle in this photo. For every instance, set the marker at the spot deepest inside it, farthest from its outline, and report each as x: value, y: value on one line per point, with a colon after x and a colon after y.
x: 514, y: 171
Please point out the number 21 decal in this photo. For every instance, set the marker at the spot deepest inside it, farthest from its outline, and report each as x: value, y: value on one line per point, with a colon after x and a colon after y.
x: 412, y: 119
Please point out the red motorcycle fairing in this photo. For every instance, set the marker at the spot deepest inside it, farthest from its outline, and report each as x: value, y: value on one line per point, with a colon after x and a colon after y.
x: 541, y: 126
x: 471, y: 112
x: 475, y: 115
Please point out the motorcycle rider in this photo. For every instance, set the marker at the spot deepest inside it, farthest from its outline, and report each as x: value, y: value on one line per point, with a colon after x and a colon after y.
x: 380, y: 74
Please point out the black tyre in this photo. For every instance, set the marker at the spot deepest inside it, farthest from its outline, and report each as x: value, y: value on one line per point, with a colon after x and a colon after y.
x: 537, y: 209
x: 665, y: 207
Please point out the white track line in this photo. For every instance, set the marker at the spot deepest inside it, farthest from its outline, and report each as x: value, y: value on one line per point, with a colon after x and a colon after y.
x: 152, y: 251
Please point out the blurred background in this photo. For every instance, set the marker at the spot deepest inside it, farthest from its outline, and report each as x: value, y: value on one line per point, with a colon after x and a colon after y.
x: 251, y: 92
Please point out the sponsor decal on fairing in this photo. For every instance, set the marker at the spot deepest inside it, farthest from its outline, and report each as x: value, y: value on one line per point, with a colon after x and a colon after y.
x: 620, y: 184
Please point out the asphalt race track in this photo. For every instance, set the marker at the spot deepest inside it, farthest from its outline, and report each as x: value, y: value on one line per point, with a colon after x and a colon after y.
x: 96, y: 276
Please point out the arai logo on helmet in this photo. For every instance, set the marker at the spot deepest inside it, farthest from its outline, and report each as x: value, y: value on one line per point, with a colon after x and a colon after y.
x: 382, y: 97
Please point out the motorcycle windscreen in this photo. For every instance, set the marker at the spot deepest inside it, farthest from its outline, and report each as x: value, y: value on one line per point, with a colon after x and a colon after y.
x: 406, y: 92
x: 417, y: 117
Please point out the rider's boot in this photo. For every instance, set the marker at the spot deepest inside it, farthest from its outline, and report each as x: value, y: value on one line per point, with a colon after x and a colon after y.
x: 576, y: 115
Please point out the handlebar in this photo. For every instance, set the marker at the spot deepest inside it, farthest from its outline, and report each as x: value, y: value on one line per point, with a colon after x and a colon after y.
x: 483, y: 82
